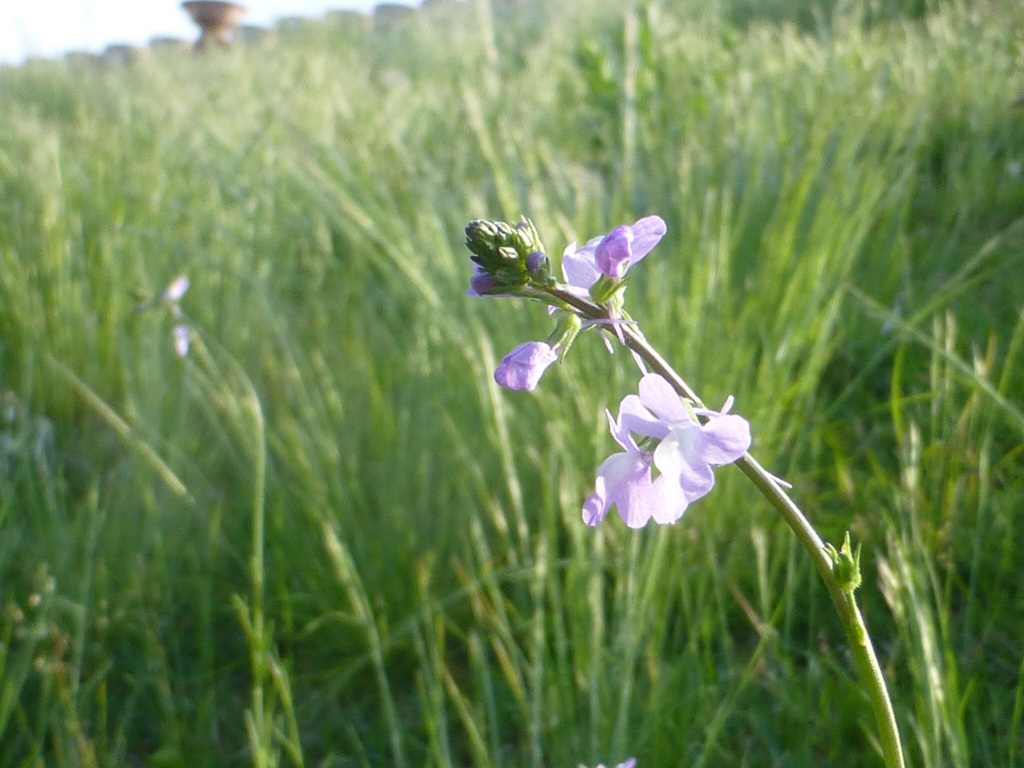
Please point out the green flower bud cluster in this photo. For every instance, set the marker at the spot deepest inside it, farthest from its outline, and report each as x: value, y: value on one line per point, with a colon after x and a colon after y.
x: 845, y: 564
x: 512, y: 256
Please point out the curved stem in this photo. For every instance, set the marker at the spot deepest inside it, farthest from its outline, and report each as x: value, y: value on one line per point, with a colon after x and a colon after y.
x: 843, y: 598
x: 845, y: 603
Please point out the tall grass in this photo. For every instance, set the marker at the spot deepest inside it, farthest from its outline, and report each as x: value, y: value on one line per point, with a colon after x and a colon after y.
x: 327, y: 538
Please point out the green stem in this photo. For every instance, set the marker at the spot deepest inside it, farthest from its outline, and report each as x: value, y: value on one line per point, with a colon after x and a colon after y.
x: 845, y: 603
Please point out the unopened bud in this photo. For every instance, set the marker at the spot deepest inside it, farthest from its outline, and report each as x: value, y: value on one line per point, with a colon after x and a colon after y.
x: 845, y: 564
x: 511, y: 256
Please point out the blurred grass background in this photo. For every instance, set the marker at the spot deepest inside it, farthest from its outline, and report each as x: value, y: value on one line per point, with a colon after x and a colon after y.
x: 326, y: 538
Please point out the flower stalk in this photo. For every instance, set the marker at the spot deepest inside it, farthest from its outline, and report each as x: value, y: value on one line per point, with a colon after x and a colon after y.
x: 509, y: 262
x: 843, y: 598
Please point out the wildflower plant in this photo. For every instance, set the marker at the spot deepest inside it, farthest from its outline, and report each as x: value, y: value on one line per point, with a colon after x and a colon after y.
x: 220, y: 380
x: 170, y: 299
x: 671, y: 444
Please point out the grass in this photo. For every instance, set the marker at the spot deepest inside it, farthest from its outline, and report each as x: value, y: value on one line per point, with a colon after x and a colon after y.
x: 326, y: 538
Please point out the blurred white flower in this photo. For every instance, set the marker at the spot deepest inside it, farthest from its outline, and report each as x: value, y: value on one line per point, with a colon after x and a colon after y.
x: 176, y: 290
x: 182, y: 339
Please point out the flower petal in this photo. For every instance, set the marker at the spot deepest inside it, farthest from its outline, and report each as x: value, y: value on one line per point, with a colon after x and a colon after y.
x: 679, y: 456
x: 522, y: 367
x: 594, y: 509
x: 647, y: 233
x: 480, y: 284
x: 696, y: 480
x: 623, y: 480
x: 669, y: 501
x: 636, y: 500
x: 620, y: 431
x: 724, y: 439
x: 634, y: 417
x: 578, y: 266
x: 619, y: 471
x: 658, y: 396
x: 615, y: 252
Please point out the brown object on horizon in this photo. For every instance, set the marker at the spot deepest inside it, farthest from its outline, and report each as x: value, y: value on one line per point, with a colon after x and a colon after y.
x: 215, y: 19
x: 388, y: 12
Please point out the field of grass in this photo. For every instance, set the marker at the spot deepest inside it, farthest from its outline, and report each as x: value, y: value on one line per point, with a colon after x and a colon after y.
x: 327, y: 538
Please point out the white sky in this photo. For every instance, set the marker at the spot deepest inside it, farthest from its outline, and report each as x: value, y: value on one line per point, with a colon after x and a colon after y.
x: 53, y: 27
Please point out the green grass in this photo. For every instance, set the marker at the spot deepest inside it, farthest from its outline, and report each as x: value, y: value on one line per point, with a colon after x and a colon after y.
x: 327, y: 538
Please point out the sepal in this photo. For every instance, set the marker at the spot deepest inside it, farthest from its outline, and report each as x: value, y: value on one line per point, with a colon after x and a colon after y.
x: 845, y: 564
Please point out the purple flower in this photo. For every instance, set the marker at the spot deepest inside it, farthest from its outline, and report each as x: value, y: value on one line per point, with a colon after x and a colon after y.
x: 625, y: 246
x: 631, y: 763
x: 483, y: 284
x: 611, y: 255
x: 625, y: 480
x: 690, y: 451
x: 535, y: 261
x: 681, y: 449
x: 579, y: 266
x: 523, y: 366
x: 480, y: 282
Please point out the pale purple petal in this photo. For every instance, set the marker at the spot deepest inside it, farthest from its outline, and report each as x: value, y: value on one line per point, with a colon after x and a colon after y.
x: 594, y: 509
x: 635, y: 498
x: 658, y: 397
x: 622, y: 480
x: 522, y: 367
x: 620, y: 431
x: 695, y: 480
x: 579, y: 268
x: 679, y: 456
x: 614, y: 252
x: 480, y: 284
x: 618, y: 471
x: 669, y: 501
x: 634, y: 417
x: 724, y: 439
x: 647, y: 233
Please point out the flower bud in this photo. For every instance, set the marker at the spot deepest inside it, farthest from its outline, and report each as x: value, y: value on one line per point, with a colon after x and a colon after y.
x: 523, y: 366
x: 527, y: 238
x: 507, y: 254
x: 485, y: 237
x: 845, y: 564
x: 539, y: 267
